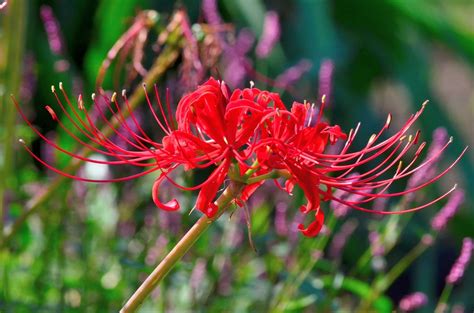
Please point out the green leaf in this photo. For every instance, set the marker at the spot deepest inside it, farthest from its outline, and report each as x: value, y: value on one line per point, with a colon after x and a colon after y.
x: 363, y: 290
x: 301, y: 303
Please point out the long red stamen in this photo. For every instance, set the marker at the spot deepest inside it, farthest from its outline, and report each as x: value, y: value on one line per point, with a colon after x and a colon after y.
x: 87, y: 179
x: 396, y: 212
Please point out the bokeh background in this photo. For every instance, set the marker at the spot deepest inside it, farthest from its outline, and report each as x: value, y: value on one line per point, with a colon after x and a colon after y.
x: 88, y: 246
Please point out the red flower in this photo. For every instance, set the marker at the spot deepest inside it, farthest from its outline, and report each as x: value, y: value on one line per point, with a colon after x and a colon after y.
x: 251, y: 134
x: 292, y: 143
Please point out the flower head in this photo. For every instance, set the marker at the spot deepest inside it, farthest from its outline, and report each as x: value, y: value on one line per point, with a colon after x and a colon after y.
x: 457, y: 271
x: 270, y: 35
x: 413, y: 301
x: 247, y: 135
x: 440, y: 220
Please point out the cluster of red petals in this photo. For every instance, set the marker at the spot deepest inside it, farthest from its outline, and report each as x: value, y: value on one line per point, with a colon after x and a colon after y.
x: 249, y: 129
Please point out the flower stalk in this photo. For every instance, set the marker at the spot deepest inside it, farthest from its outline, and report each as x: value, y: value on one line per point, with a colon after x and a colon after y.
x: 229, y: 194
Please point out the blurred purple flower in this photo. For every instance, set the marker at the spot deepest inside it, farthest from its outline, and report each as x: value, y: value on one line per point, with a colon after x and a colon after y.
x: 238, y: 235
x: 270, y: 35
x: 281, y: 227
x: 339, y: 209
x: 294, y: 232
x: 440, y: 220
x: 427, y: 240
x: 380, y: 204
x: 235, y: 61
x: 55, y: 38
x: 197, y: 275
x: 225, y: 280
x: 155, y: 253
x: 457, y: 271
x: 52, y: 29
x: 77, y: 86
x: 244, y: 42
x: 413, y: 301
x: 3, y: 4
x: 126, y: 229
x: 128, y: 126
x: 440, y: 138
x: 28, y: 82
x: 292, y: 74
x: 325, y: 79
x: 376, y: 245
x: 211, y: 13
x: 61, y: 65
x: 340, y: 238
x: 48, y: 153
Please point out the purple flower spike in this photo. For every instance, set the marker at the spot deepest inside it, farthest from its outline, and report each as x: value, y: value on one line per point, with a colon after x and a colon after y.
x: 341, y: 237
x: 51, y: 27
x: 413, y: 301
x: 281, y: 224
x: 340, y: 210
x: 235, y: 59
x: 28, y: 85
x: 293, y: 74
x: 325, y: 79
x: 211, y: 13
x: 197, y: 275
x: 440, y: 220
x: 457, y: 271
x: 440, y: 137
x: 270, y: 35
x: 376, y: 245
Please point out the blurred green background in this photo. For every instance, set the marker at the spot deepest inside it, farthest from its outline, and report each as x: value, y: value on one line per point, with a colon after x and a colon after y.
x: 88, y: 246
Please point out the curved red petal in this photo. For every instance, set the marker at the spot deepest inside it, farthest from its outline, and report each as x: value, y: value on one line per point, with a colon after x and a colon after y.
x: 204, y: 108
x: 171, y: 205
x: 204, y: 202
x: 309, y: 183
x: 248, y: 190
x: 315, y: 227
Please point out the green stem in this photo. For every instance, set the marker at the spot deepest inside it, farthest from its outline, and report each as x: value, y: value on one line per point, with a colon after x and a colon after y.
x: 270, y: 175
x: 397, y: 222
x: 180, y: 249
x: 383, y: 282
x: 293, y: 283
x: 13, y: 27
x: 443, y: 299
x: 5, y: 274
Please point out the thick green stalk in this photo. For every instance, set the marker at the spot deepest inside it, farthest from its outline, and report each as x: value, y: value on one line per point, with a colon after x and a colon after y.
x: 180, y: 249
x: 13, y: 28
x: 443, y: 299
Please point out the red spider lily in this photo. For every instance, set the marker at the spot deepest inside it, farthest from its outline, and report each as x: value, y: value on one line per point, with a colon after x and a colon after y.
x: 247, y: 135
x: 290, y: 142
